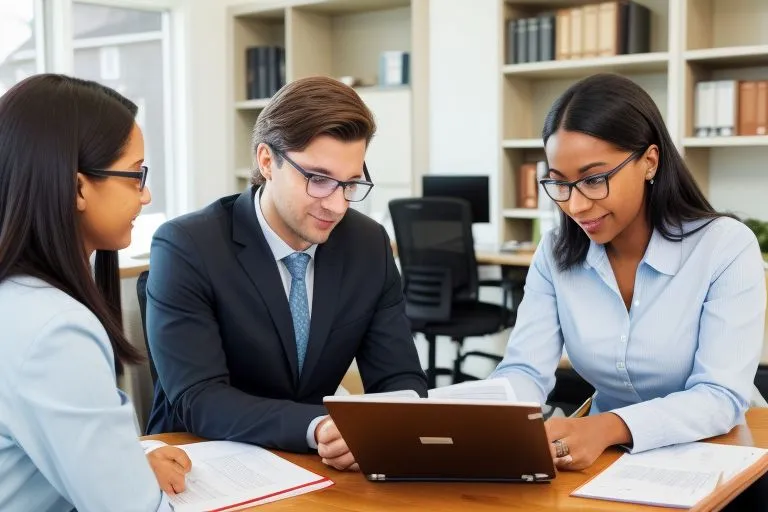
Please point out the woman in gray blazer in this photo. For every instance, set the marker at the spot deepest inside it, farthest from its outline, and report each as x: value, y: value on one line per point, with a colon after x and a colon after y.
x: 72, y: 181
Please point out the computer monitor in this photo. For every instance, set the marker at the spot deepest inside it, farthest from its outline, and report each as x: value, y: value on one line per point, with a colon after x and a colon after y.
x: 474, y: 189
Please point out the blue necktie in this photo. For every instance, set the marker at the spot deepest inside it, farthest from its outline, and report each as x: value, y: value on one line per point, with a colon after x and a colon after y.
x: 298, y: 302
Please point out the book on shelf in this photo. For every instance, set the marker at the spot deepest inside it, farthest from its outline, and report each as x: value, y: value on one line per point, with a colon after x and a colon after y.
x: 265, y: 71
x: 604, y: 29
x: 678, y: 476
x: 527, y: 186
x: 724, y: 108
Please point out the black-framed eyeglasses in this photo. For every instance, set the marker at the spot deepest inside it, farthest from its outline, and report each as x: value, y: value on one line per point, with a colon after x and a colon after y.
x: 140, y: 175
x: 594, y: 187
x: 320, y: 185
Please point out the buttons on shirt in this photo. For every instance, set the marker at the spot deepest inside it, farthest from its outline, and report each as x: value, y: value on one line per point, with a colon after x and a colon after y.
x: 623, y: 339
x: 627, y: 384
x: 637, y: 303
x: 620, y: 365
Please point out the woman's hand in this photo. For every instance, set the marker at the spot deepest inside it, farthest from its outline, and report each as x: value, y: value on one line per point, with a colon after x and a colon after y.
x: 582, y: 440
x: 170, y: 465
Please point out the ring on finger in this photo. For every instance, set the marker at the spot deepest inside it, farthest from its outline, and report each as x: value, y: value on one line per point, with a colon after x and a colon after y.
x: 561, y: 448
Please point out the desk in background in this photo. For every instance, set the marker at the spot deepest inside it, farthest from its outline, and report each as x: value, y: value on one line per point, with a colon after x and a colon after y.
x: 352, y: 492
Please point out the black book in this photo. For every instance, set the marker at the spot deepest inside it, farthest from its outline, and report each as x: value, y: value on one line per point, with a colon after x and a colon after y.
x: 521, y: 41
x: 251, y: 68
x: 533, y: 39
x: 273, y: 70
x: 262, y: 72
x: 547, y: 37
x: 636, y: 25
x: 510, y: 46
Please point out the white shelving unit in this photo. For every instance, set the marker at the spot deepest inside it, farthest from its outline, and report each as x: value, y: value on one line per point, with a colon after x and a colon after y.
x: 339, y: 38
x: 691, y: 40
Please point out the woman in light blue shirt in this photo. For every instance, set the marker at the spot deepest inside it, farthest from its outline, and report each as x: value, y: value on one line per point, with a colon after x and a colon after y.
x: 71, y: 183
x: 658, y: 300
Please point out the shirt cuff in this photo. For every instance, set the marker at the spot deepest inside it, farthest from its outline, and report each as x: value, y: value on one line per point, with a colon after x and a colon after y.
x: 647, y: 434
x: 151, y: 445
x: 311, y: 441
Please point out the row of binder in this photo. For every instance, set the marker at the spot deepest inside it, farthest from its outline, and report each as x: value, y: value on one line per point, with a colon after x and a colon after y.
x: 596, y: 30
x: 265, y: 71
x: 725, y: 108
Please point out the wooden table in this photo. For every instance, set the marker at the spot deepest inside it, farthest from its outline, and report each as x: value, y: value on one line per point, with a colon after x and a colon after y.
x: 352, y: 492
x: 132, y: 267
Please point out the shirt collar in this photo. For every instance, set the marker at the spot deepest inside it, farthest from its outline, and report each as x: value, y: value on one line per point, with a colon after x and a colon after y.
x: 661, y: 254
x: 279, y: 248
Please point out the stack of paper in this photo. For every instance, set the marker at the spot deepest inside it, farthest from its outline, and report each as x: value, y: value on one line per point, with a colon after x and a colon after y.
x: 674, y: 476
x: 232, y: 476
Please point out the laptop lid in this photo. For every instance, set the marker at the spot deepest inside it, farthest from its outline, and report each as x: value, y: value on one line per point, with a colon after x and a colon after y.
x: 398, y: 439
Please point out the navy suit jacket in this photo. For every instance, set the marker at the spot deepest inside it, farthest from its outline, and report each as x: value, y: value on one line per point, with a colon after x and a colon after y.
x: 221, y: 335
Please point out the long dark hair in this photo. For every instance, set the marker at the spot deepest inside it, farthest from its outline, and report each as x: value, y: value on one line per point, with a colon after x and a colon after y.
x: 51, y: 126
x: 617, y: 110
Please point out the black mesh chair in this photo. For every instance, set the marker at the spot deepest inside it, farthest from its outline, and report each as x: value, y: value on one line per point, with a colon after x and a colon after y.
x: 440, y: 280
x: 141, y: 292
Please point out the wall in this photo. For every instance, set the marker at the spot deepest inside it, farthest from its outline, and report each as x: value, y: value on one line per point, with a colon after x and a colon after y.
x: 464, y: 94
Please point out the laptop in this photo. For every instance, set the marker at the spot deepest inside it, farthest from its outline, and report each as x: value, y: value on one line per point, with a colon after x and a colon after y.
x: 406, y: 439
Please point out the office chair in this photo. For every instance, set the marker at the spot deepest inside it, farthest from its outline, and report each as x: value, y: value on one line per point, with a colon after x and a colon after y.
x: 440, y: 281
x: 141, y: 292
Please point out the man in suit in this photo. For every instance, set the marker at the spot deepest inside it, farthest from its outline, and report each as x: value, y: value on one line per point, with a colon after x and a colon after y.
x: 257, y: 304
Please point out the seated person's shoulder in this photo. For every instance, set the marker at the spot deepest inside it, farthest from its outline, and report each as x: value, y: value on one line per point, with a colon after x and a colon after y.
x: 33, y: 311
x: 724, y: 234
x: 360, y: 232
x: 201, y: 224
x: 720, y: 241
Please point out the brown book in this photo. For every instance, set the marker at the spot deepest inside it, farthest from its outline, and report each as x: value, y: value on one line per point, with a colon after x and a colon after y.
x: 563, y: 34
x: 590, y: 31
x: 762, y: 108
x: 527, y: 186
x: 608, y: 32
x: 747, y: 108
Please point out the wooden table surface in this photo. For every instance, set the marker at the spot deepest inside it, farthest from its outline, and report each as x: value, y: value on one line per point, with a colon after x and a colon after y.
x: 352, y: 492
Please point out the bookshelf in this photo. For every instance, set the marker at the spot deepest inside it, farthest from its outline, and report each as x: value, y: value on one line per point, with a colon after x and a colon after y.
x: 340, y: 39
x: 688, y: 41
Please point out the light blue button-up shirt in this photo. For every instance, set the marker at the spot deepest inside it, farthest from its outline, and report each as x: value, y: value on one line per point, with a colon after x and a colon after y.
x: 679, y: 365
x: 67, y: 435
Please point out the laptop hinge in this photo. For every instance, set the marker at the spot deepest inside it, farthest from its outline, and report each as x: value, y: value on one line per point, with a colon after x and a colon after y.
x: 536, y: 477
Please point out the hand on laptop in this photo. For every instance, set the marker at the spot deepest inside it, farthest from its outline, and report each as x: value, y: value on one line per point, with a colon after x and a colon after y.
x: 332, y: 447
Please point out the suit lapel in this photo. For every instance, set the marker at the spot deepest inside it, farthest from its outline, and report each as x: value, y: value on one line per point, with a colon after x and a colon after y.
x: 325, y: 295
x: 259, y: 263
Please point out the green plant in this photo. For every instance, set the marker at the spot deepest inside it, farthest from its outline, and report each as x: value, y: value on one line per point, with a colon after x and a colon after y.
x: 760, y: 229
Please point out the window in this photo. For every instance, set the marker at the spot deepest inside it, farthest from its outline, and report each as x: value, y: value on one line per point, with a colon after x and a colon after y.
x: 126, y: 49
x: 19, y: 45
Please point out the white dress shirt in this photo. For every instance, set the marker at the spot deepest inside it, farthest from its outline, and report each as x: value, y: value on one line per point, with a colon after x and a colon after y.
x: 280, y: 250
x: 679, y: 365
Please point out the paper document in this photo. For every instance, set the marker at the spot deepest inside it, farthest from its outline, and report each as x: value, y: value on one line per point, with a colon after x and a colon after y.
x: 674, y: 476
x: 230, y: 476
x: 490, y: 389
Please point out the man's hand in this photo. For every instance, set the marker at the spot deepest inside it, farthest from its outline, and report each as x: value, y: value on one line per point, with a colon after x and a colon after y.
x: 170, y: 465
x: 585, y: 438
x: 332, y: 447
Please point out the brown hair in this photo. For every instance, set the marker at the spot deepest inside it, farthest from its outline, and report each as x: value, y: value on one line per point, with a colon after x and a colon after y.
x: 307, y: 108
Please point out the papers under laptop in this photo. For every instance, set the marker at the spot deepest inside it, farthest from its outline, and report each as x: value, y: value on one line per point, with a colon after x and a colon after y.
x: 474, y: 431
